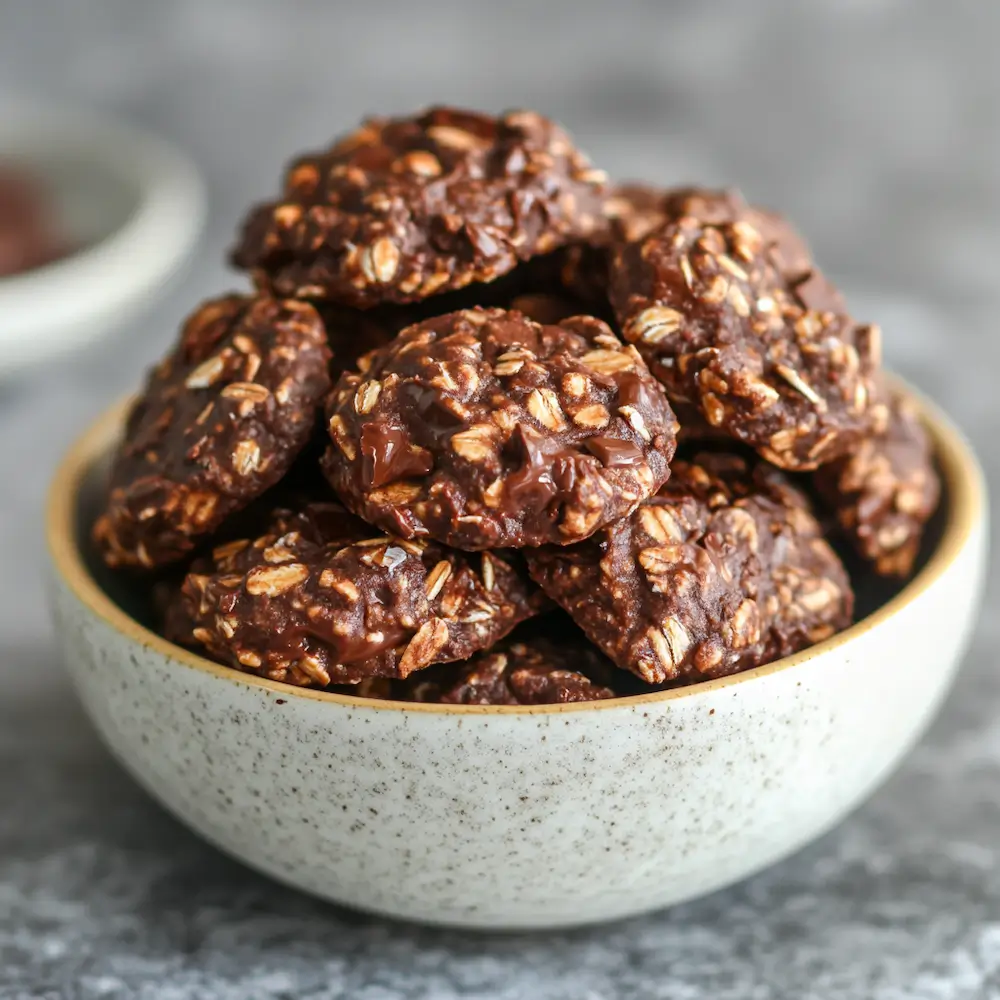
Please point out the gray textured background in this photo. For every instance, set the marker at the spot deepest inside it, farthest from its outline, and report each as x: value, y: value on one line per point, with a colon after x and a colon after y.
x: 875, y: 125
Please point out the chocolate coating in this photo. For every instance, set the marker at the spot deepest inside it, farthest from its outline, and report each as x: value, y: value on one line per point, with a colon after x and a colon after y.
x: 636, y: 211
x: 483, y: 429
x: 726, y: 568
x: 885, y: 491
x: 404, y: 208
x: 632, y: 211
x: 221, y: 419
x: 767, y: 358
x: 321, y: 599
x: 538, y: 671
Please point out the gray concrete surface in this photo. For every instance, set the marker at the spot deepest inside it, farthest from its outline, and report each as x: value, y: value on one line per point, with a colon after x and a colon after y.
x: 875, y: 125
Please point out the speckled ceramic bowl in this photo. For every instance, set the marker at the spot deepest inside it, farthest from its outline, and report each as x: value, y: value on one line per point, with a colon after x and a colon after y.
x: 519, y: 817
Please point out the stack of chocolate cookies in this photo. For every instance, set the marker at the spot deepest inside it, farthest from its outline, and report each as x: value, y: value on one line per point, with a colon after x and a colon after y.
x: 492, y: 430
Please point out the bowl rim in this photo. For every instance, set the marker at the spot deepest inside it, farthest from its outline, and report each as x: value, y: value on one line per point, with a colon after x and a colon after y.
x: 964, y: 485
x: 142, y: 252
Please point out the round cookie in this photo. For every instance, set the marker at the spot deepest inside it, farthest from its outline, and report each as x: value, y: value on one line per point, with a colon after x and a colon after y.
x: 404, y: 208
x: 768, y: 361
x: 221, y: 419
x: 322, y: 599
x: 530, y: 672
x: 726, y: 568
x: 636, y: 210
x: 633, y: 211
x: 885, y: 491
x: 483, y: 429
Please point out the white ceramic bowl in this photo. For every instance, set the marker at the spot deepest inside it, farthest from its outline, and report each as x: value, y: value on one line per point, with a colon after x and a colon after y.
x: 519, y: 817
x: 132, y: 203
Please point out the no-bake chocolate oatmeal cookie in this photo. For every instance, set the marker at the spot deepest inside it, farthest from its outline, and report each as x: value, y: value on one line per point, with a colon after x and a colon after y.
x: 636, y: 210
x: 321, y: 598
x: 767, y: 355
x: 403, y: 208
x: 632, y: 211
x: 535, y: 671
x: 724, y: 569
x: 455, y: 399
x: 484, y: 429
x: 221, y: 419
x: 885, y: 491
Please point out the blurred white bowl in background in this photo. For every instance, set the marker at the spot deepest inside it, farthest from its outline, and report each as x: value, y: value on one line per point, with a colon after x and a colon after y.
x: 131, y: 203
